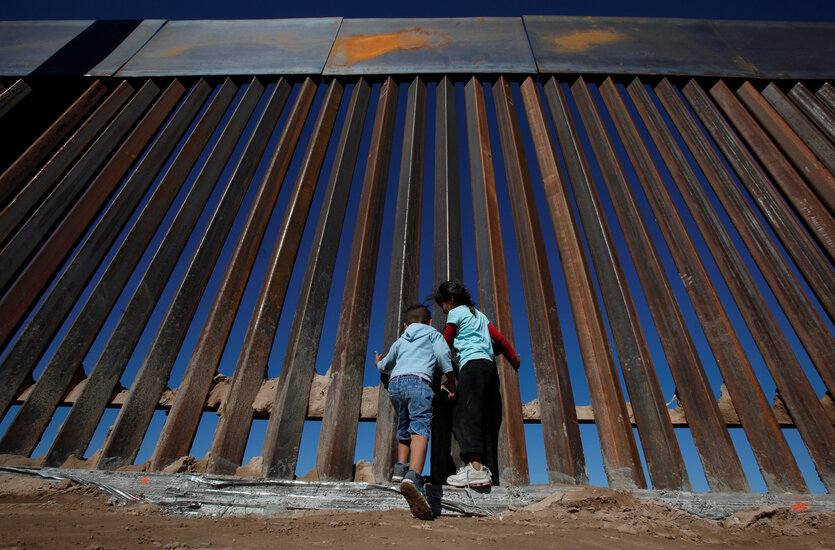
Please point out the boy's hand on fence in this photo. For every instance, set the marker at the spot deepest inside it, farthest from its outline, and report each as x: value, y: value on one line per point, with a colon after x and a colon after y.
x: 377, y: 358
x: 516, y: 361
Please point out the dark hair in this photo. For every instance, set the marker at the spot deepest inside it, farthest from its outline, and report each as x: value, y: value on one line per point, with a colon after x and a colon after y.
x: 418, y: 314
x: 455, y: 292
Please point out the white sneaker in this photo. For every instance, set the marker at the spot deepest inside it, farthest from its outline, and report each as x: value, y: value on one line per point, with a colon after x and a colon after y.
x: 469, y: 476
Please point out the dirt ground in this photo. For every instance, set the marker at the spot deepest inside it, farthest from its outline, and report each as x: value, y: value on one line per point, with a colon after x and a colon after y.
x: 39, y: 514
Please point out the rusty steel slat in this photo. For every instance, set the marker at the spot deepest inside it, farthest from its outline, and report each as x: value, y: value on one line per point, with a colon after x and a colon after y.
x: 12, y: 95
x: 284, y: 431
x: 47, y: 261
x: 31, y: 159
x: 33, y: 192
x: 31, y: 345
x: 661, y: 450
x: 806, y: 321
x: 405, y: 267
x: 800, y: 398
x: 135, y: 415
x: 814, y: 109
x: 795, y: 238
x: 448, y: 263
x: 804, y: 160
x: 338, y: 436
x: 620, y: 452
x: 814, y: 138
x: 721, y: 464
x: 236, y: 418
x: 826, y: 93
x: 494, y: 296
x: 777, y: 464
x: 111, y: 362
x: 809, y: 208
x: 178, y: 432
x: 62, y: 197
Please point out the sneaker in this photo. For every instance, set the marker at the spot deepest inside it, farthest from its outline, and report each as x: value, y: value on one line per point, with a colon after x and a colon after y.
x: 469, y: 476
x: 400, y: 469
x: 412, y: 490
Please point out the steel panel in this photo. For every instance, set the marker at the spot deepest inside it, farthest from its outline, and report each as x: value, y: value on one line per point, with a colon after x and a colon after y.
x: 420, y: 46
x: 128, y: 48
x: 269, y: 46
x: 25, y: 45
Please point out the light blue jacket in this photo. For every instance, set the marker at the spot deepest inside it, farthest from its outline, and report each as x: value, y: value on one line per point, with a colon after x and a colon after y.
x: 417, y: 351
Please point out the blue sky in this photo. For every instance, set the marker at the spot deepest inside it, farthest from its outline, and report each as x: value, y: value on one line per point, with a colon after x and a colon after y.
x: 244, y: 9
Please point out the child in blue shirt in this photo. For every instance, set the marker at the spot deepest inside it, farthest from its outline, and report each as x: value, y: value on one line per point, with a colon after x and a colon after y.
x: 411, y: 360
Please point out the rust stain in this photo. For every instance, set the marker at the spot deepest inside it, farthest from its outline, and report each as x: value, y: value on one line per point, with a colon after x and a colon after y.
x: 357, y: 49
x: 585, y: 40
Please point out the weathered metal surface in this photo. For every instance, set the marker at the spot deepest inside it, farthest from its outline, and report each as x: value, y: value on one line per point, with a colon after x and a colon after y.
x: 420, y: 46
x: 267, y: 46
x: 338, y: 435
x: 180, y: 428
x: 448, y: 263
x: 233, y: 427
x: 39, y: 331
x: 804, y: 318
x: 620, y: 452
x: 493, y: 292
x: 826, y: 93
x: 661, y: 450
x: 808, y: 206
x: 405, y: 266
x: 290, y: 405
x: 37, y: 227
x: 777, y: 464
x: 630, y: 45
x: 794, y: 117
x: 721, y: 464
x: 78, y: 428
x: 794, y: 236
x: 128, y: 48
x: 814, y: 109
x: 13, y: 95
x: 777, y: 354
x: 37, y: 153
x: 25, y: 45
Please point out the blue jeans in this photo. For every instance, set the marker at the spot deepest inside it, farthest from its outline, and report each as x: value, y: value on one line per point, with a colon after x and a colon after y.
x: 411, y: 397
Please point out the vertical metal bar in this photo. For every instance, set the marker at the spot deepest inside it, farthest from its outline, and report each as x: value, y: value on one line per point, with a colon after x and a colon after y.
x: 405, y: 266
x: 776, y: 461
x: 284, y: 431
x: 800, y: 155
x: 307, y: 181
x: 795, y: 389
x: 448, y: 263
x: 661, y: 450
x: 722, y: 467
x: 35, y: 413
x: 805, y: 319
x: 807, y: 205
x: 37, y: 153
x: 235, y: 421
x: 181, y: 426
x: 493, y: 292
x: 34, y: 278
x: 337, y: 439
x: 33, y: 192
x: 81, y: 335
x: 26, y: 240
x: 620, y: 453
x: 12, y: 95
x: 796, y: 239
x: 826, y: 93
x: 814, y: 109
x: 817, y: 142
x: 30, y: 346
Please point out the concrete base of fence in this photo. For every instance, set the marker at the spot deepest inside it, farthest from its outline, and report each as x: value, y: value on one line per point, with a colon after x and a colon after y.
x: 212, y: 495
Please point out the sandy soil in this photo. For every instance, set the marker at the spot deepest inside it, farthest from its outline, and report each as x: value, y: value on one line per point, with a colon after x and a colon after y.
x: 40, y: 514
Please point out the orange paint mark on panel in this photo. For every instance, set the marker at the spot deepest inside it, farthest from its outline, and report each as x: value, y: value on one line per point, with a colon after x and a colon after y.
x: 585, y: 40
x: 357, y: 49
